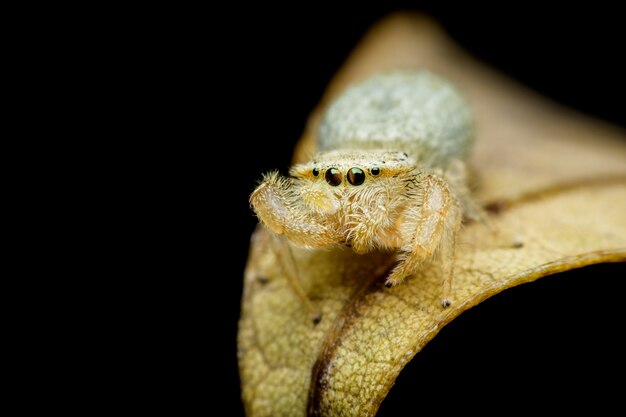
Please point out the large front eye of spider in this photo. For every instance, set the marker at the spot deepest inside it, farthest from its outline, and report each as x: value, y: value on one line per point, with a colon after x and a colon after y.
x: 333, y: 176
x: 356, y: 176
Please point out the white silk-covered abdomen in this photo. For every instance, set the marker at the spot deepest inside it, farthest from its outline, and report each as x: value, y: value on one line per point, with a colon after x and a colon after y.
x: 415, y: 112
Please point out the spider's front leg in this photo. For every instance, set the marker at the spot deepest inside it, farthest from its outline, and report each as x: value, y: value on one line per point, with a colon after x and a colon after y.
x: 278, y: 203
x: 436, y: 215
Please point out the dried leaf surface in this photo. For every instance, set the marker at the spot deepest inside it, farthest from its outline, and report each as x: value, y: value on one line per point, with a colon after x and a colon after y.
x: 554, y: 183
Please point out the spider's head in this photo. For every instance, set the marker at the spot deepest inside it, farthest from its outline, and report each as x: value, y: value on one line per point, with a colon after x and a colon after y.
x: 329, y: 176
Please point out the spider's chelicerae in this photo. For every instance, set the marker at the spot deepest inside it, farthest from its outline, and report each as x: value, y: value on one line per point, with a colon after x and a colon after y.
x: 390, y: 175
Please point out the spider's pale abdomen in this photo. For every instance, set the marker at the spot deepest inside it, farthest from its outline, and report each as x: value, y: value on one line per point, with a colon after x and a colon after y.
x: 416, y: 112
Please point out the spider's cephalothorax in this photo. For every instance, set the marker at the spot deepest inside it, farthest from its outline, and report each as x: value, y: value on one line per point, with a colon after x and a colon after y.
x: 390, y: 175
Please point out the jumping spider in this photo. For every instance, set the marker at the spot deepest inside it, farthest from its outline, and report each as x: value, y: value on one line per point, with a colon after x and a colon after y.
x: 390, y: 175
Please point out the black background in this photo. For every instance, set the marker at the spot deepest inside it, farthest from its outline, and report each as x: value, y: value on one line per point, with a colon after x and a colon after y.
x: 255, y: 73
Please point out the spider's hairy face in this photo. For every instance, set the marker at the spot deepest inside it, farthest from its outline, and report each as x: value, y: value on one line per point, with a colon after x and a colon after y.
x: 331, y: 178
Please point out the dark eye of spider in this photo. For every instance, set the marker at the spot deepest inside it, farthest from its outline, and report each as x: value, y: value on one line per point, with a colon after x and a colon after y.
x: 375, y: 171
x: 356, y: 176
x: 333, y: 177
x: 316, y: 172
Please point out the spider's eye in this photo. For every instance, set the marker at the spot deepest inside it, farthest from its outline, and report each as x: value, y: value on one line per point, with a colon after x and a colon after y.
x: 375, y: 171
x: 316, y: 172
x: 356, y: 176
x: 333, y: 176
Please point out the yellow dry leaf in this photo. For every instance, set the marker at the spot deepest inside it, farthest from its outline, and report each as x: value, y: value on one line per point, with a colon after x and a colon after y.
x: 553, y: 181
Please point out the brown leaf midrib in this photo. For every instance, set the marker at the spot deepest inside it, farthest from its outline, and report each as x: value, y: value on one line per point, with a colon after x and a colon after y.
x: 332, y: 340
